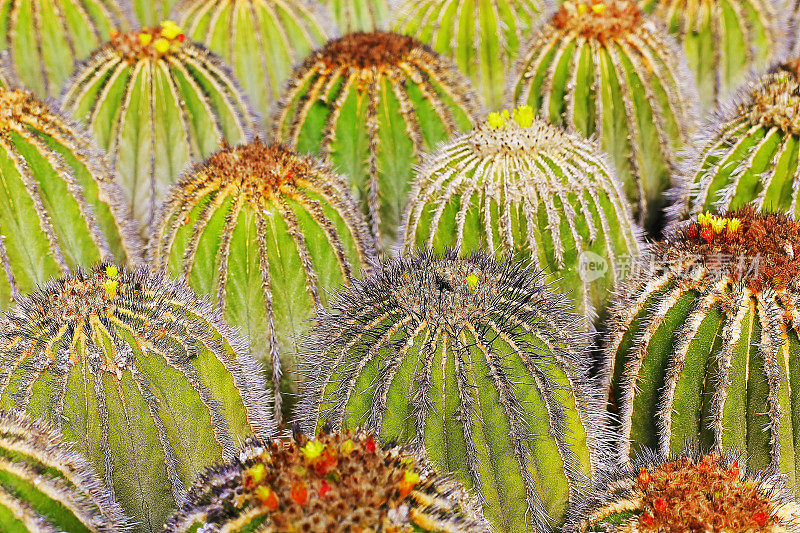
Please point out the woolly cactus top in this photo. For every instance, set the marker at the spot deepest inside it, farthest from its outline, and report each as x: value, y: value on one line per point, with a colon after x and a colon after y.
x: 599, y: 19
x: 775, y: 101
x: 149, y: 43
x: 362, y: 50
x: 18, y: 107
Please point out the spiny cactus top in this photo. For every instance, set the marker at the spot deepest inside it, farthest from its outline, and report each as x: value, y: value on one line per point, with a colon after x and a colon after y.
x: 59, y: 205
x: 268, y: 233
x: 46, y: 487
x: 724, y: 40
x: 371, y: 103
x: 141, y: 375
x: 260, y: 39
x: 359, y: 15
x: 482, y: 36
x: 475, y: 361
x: 508, y: 184
x: 689, y: 492
x: 155, y: 102
x: 336, y: 482
x: 45, y: 39
x: 604, y: 69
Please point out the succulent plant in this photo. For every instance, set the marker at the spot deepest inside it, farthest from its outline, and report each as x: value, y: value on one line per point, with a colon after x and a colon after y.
x: 724, y: 41
x: 704, y: 341
x: 143, y: 377
x: 482, y: 36
x: 371, y: 103
x: 687, y: 492
x: 269, y: 234
x: 336, y: 482
x: 155, y: 102
x: 45, y: 39
x: 260, y: 39
x: 473, y: 360
x: 359, y: 15
x: 46, y: 487
x: 507, y: 184
x: 604, y: 69
x: 152, y: 12
x: 59, y: 205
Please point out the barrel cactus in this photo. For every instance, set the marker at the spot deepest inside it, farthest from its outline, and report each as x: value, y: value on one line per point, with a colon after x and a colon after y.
x: 605, y: 69
x: 371, y: 103
x: 473, y: 360
x: 154, y: 102
x: 335, y: 482
x: 506, y: 186
x: 269, y: 233
x: 355, y: 15
x: 59, y: 205
x: 139, y: 374
x: 482, y: 36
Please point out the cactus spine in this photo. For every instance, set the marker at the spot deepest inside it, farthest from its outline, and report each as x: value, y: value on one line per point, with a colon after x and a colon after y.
x: 59, y: 206
x: 359, y: 15
x: 371, y: 103
x: 139, y: 374
x: 604, y: 69
x: 507, y: 184
x: 337, y: 482
x: 474, y: 361
x: 269, y: 233
x: 155, y: 102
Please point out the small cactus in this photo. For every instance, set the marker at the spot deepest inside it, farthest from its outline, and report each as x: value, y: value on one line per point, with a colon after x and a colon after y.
x: 139, y: 374
x: 507, y: 184
x: 604, y: 69
x: 359, y: 15
x: 371, y: 103
x: 482, y: 36
x: 59, y: 205
x: 473, y: 360
x: 155, y: 102
x: 46, y: 487
x: 268, y: 233
x: 336, y: 482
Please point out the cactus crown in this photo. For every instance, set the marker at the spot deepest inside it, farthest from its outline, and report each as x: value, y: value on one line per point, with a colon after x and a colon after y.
x: 19, y: 106
x: 775, y: 102
x: 362, y: 50
x: 598, y: 19
x: 148, y: 43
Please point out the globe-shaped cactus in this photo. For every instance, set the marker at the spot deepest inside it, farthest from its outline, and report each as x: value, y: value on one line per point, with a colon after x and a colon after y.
x: 358, y: 15
x: 473, y: 360
x: 261, y: 40
x: 46, y: 487
x: 143, y: 377
x: 704, y: 341
x: 268, y: 233
x: 45, y: 39
x: 59, y: 205
x: 518, y: 185
x: 155, y: 101
x: 371, y: 103
x: 337, y: 482
x: 604, y: 69
x: 482, y: 36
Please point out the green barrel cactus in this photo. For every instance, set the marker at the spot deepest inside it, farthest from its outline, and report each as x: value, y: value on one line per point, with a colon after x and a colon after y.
x: 507, y: 184
x: 371, y: 103
x: 154, y: 101
x: 261, y: 40
x: 46, y: 487
x: 140, y: 375
x: 335, y: 482
x: 724, y: 40
x: 604, y: 69
x: 44, y: 39
x: 152, y: 12
x: 473, y: 360
x: 704, y: 342
x: 483, y: 37
x: 59, y: 205
x: 268, y: 233
x: 359, y: 15
x: 687, y: 492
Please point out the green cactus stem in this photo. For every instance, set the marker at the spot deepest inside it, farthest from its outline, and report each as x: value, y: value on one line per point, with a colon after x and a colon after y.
x: 154, y: 101
x: 141, y: 375
x: 473, y: 360
x: 604, y: 69
x: 152, y: 12
x: 336, y: 482
x: 371, y: 103
x: 359, y: 15
x: 268, y: 233
x: 59, y: 205
x: 506, y: 186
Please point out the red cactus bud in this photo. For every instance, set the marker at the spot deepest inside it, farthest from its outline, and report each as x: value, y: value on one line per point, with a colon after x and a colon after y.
x: 707, y: 234
x: 299, y: 493
x: 370, y: 444
x: 660, y: 505
x: 760, y: 517
x: 324, y: 488
x: 646, y: 519
x: 733, y: 470
x: 644, y: 477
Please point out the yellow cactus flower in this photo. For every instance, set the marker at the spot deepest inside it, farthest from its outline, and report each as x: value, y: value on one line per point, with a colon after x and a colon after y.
x: 112, y: 271
x: 347, y: 447
x: 523, y: 115
x: 312, y: 449
x: 718, y: 224
x: 111, y: 288
x: 582, y: 9
x: 170, y: 30
x: 472, y: 282
x: 161, y: 45
x: 599, y: 8
x: 733, y: 225
x: 145, y: 38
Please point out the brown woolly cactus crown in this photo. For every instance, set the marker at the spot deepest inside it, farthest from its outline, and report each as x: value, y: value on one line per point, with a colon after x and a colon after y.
x: 776, y: 101
x: 599, y: 19
x: 361, y: 50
